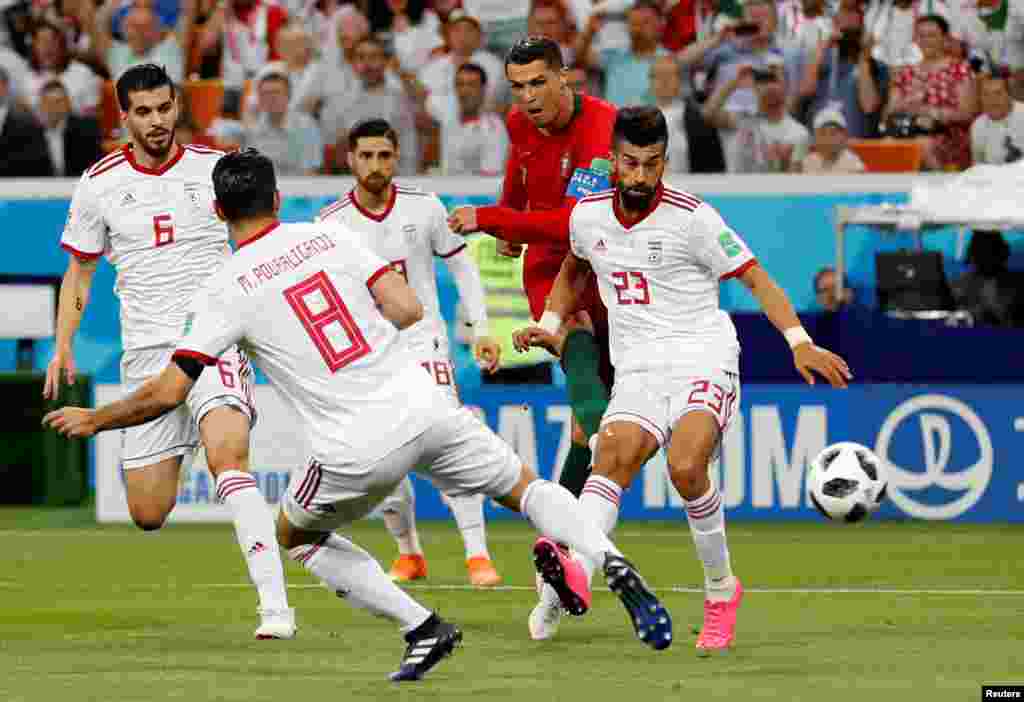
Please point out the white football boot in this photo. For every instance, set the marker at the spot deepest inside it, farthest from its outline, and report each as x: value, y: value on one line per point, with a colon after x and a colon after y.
x: 276, y: 624
x: 547, y: 615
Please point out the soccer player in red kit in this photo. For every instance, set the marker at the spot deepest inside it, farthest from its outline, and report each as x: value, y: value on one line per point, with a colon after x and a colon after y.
x: 555, y: 136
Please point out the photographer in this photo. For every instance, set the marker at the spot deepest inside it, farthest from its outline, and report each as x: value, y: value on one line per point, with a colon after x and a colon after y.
x: 939, y: 95
x: 769, y: 141
x: 830, y: 80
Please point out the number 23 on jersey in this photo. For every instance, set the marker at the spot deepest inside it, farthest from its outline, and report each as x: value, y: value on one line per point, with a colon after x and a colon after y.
x: 631, y: 288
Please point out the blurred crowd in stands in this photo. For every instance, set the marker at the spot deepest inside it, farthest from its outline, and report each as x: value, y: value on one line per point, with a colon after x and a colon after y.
x: 748, y: 86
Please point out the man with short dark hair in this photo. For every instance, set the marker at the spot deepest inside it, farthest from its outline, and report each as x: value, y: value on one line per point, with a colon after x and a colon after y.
x: 659, y: 255
x: 408, y: 227
x: 288, y: 136
x: 148, y: 208
x: 560, y: 143
x: 321, y: 315
x: 22, y: 141
x: 474, y: 143
x: 74, y: 142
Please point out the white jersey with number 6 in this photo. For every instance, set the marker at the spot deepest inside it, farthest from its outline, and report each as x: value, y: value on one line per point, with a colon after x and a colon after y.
x: 158, y: 229
x: 297, y: 298
x: 659, y: 280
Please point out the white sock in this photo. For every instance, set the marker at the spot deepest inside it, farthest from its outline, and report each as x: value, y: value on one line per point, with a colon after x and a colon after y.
x: 254, y: 529
x: 599, y: 500
x: 556, y: 514
x: 707, y: 524
x: 468, y: 511
x: 399, y: 512
x: 354, y: 574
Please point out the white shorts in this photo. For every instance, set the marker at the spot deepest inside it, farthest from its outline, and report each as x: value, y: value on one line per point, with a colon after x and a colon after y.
x: 459, y: 454
x: 656, y: 400
x: 436, y: 360
x: 229, y: 383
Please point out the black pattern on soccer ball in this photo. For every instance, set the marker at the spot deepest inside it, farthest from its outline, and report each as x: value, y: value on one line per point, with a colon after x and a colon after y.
x: 827, y: 459
x: 839, y: 487
x: 866, y: 464
x: 882, y: 493
x: 857, y: 514
x: 817, y: 506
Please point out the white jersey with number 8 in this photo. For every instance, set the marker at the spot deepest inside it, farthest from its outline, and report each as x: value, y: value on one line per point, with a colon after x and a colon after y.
x: 158, y: 229
x: 659, y: 279
x: 297, y: 298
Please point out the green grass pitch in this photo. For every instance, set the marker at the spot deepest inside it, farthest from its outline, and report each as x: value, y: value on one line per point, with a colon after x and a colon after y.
x: 885, y: 611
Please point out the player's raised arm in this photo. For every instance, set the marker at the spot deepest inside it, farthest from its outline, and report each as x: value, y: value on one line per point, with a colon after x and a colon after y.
x: 806, y: 356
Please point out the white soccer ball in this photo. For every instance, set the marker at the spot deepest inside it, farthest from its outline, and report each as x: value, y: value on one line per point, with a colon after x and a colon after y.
x: 847, y: 482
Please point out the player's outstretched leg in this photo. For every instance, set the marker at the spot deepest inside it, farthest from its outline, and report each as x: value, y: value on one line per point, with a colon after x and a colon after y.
x: 561, y: 519
x: 399, y: 512
x: 468, y: 511
x: 355, y: 576
x: 693, y: 443
x: 225, y: 435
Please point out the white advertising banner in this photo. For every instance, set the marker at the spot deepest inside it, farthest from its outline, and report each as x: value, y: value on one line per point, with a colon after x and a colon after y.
x: 278, y: 445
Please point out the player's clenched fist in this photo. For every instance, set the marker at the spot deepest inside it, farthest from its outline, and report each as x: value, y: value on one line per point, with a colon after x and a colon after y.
x: 73, y: 422
x: 808, y: 357
x: 535, y: 337
x: 487, y: 351
x: 463, y: 220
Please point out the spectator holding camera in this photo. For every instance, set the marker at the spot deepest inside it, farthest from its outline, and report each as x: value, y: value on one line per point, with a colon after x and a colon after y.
x: 939, y: 94
x: 997, y: 135
x: 768, y: 141
x: 626, y: 71
x: 833, y: 78
x: 830, y: 153
x: 752, y: 42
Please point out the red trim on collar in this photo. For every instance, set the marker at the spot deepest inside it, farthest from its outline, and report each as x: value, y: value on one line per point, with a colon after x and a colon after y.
x: 376, y: 217
x: 260, y: 234
x: 128, y: 152
x: 619, y: 215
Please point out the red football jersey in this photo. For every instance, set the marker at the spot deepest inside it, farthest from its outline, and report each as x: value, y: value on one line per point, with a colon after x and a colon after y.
x: 537, y: 173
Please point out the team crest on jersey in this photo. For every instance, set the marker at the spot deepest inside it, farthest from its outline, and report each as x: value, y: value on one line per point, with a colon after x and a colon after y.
x: 409, y: 230
x: 600, y: 247
x: 193, y: 193
x: 654, y: 252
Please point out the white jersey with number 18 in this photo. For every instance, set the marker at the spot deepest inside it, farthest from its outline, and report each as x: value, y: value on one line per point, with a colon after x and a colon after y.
x: 408, y: 234
x: 297, y: 298
x: 659, y: 280
x: 158, y: 229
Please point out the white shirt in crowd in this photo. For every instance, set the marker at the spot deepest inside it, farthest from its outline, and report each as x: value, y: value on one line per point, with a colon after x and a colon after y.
x: 659, y: 279
x: 748, y: 147
x: 992, y: 141
x: 159, y: 231
x: 55, y: 145
x: 438, y: 77
x: 474, y: 147
x: 167, y: 53
x: 678, y: 144
x: 82, y: 84
x: 298, y: 297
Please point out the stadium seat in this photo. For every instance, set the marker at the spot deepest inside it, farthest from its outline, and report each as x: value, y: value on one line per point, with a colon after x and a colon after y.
x: 205, y: 98
x: 888, y: 155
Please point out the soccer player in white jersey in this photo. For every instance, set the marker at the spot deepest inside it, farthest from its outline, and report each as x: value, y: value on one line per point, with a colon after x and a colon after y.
x: 408, y: 228
x: 320, y: 315
x: 659, y: 254
x: 148, y: 207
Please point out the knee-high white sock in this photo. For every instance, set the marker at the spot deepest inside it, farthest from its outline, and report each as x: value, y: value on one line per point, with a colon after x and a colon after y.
x: 555, y: 513
x: 599, y: 500
x: 468, y: 511
x: 707, y: 524
x: 354, y: 574
x: 254, y: 529
x: 399, y: 512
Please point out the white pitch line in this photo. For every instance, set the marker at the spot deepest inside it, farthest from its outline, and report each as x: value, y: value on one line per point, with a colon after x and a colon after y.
x: 688, y: 590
